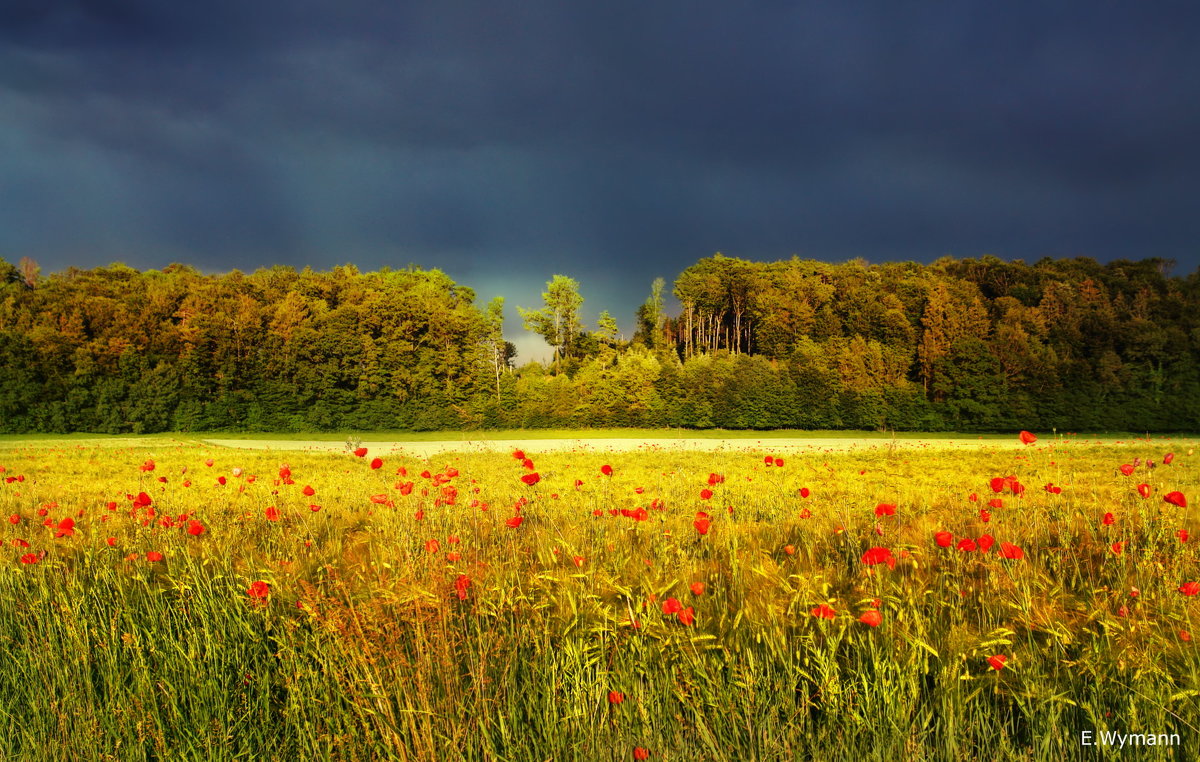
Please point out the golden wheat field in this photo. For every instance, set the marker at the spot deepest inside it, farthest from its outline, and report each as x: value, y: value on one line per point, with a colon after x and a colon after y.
x: 173, y: 600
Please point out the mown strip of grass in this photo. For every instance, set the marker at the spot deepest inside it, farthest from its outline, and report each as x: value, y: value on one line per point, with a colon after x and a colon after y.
x: 385, y: 435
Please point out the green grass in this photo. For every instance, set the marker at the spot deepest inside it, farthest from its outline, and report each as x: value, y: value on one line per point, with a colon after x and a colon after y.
x: 364, y: 649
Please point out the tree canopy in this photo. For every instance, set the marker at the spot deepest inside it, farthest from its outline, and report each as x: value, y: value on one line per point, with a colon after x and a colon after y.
x: 962, y: 344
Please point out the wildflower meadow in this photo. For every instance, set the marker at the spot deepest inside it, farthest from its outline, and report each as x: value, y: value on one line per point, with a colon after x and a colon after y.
x: 167, y: 599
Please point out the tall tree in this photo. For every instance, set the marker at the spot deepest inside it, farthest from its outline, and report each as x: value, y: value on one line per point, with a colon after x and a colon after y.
x: 494, y: 346
x: 558, y: 321
x: 606, y: 327
x: 29, y: 272
x: 650, y: 316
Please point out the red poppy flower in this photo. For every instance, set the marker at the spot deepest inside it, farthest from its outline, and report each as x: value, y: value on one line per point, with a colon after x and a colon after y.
x: 986, y: 542
x: 148, y: 465
x: 879, y: 556
x: 640, y: 753
x: 885, y: 509
x: 1185, y: 636
x: 824, y: 611
x: 460, y: 586
x: 706, y: 494
x: 112, y: 542
x: 672, y: 606
x: 141, y: 500
x: 221, y: 480
x: 531, y: 478
x: 1027, y: 437
x: 1118, y: 548
x: 1168, y: 458
x: 697, y: 588
x: 432, y: 546
x: 779, y: 462
x: 376, y: 464
x: 995, y: 503
x: 615, y: 697
x: 1182, y: 534
x: 966, y: 545
x: 519, y: 454
x: 985, y: 515
x: 702, y: 524
x: 453, y: 556
x: 30, y: 558
x: 944, y: 539
x: 606, y: 470
x: 1190, y: 588
x: 1010, y: 551
x: 1144, y: 490
x: 272, y: 513
x: 1108, y: 520
x: 308, y: 491
x: 997, y: 661
x: 1126, y: 468
x: 527, y: 464
x: 514, y: 522
x: 154, y: 555
x: 361, y: 452
x: 1175, y: 498
x: 973, y: 497
x: 805, y: 492
x: 66, y: 528
x: 997, y: 484
x: 195, y: 528
x: 258, y: 590
x: 789, y: 549
x: 1053, y: 490
x: 715, y: 479
x: 687, y: 617
x: 871, y: 618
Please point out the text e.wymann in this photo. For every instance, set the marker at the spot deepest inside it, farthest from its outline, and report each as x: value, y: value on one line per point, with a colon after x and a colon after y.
x: 1121, y: 740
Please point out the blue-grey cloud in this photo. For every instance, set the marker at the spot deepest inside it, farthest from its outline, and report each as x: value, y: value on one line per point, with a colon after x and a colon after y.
x: 614, y: 142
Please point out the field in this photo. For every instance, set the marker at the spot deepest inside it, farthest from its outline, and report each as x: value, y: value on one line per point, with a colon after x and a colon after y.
x: 172, y: 599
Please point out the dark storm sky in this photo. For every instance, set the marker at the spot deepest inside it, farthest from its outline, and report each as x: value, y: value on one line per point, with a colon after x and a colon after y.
x: 613, y: 142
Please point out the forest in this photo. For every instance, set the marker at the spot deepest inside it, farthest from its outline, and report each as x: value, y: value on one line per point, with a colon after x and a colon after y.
x: 960, y: 344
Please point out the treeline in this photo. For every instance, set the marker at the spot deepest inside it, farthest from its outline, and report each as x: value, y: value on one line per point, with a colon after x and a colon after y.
x: 957, y: 345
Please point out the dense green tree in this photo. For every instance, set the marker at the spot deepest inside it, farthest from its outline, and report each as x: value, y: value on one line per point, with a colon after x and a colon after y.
x: 558, y: 320
x: 651, y: 317
x: 966, y: 344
